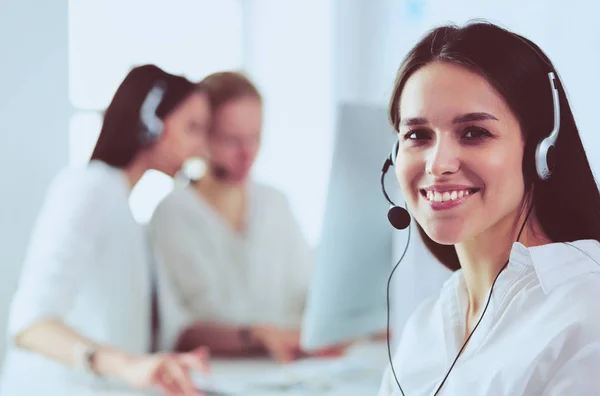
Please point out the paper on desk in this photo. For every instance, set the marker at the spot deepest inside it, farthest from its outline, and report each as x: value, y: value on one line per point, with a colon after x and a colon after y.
x: 321, y: 374
x: 220, y: 386
x: 311, y: 375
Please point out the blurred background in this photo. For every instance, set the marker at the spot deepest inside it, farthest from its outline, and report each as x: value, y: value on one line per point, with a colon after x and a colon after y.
x: 61, y: 61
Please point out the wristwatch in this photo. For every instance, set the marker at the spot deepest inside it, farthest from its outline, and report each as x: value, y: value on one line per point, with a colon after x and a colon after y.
x: 85, y: 354
x: 245, y: 334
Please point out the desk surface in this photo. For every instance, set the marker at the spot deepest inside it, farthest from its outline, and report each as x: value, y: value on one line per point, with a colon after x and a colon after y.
x: 372, y: 355
x: 369, y: 358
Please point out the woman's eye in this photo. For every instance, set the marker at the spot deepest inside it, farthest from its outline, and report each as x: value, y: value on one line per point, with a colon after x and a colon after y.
x: 416, y: 134
x: 474, y: 133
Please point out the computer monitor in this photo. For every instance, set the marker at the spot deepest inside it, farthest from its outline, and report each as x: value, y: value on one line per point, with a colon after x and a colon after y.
x: 347, y: 295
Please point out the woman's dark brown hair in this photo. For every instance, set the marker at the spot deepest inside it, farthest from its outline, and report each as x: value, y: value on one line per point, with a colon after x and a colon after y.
x: 568, y: 205
x: 121, y: 137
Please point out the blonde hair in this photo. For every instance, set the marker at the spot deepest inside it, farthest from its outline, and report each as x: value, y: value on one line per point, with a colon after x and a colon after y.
x: 223, y: 87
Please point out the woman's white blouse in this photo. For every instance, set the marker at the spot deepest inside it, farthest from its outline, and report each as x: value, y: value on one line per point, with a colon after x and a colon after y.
x: 211, y: 272
x: 87, y: 264
x: 539, y: 336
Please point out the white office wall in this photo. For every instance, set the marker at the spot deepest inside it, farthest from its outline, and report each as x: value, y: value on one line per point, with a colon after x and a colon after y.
x: 290, y: 56
x: 188, y: 37
x: 34, y: 123
x: 372, y: 37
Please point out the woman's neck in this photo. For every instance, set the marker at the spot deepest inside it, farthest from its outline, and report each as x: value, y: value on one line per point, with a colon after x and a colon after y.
x: 212, y: 188
x: 483, y: 257
x: 134, y: 172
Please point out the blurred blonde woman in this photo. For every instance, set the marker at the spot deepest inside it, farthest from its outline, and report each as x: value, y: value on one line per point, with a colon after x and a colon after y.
x: 231, y: 248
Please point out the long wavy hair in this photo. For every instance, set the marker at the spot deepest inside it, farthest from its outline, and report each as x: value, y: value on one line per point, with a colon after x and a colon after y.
x: 568, y: 204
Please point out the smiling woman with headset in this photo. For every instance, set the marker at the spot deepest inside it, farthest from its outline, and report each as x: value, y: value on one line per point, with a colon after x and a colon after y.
x: 81, y: 315
x: 492, y: 168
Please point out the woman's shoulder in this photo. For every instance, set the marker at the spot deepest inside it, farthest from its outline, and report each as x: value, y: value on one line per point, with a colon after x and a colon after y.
x: 91, y: 181
x: 569, y: 284
x: 561, y: 267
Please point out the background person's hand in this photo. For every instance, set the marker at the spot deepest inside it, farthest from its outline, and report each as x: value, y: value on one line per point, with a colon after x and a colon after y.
x: 331, y: 351
x: 282, y: 345
x: 168, y: 372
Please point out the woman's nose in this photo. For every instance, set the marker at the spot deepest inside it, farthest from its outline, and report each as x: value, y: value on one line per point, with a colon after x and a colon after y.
x: 443, y: 159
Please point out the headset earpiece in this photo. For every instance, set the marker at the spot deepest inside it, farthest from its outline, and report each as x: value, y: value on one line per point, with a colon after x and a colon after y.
x: 151, y: 125
x: 545, y: 157
x: 394, y: 153
x: 398, y: 216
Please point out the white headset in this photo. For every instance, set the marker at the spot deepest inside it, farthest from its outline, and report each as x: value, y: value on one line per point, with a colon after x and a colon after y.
x: 544, y: 152
x: 151, y: 125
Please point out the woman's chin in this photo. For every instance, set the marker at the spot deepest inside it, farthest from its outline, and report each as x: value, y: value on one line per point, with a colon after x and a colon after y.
x: 443, y: 234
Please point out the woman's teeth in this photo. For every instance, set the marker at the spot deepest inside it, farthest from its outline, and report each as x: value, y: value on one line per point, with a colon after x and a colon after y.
x: 436, y: 196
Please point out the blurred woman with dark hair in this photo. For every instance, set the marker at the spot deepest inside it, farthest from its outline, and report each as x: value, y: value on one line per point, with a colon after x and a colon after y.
x: 81, y: 315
